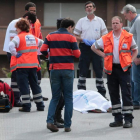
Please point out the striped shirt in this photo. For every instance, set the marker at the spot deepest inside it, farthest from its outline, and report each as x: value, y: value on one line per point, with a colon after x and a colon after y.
x: 63, y: 48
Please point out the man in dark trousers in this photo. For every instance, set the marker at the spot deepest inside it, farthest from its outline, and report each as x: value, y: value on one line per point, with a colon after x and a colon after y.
x: 118, y: 45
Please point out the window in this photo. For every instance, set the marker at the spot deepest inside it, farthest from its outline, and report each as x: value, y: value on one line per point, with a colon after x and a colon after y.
x: 53, y: 11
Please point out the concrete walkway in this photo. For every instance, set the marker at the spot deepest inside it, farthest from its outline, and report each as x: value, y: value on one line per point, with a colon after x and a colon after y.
x: 17, y: 125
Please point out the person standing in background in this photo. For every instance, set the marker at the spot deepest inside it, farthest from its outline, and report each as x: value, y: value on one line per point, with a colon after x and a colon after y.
x: 87, y: 30
x: 131, y: 15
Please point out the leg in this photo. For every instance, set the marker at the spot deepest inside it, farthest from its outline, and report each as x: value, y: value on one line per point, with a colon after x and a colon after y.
x: 126, y: 96
x: 58, y: 114
x: 36, y: 90
x: 56, y: 92
x: 136, y: 84
x: 97, y: 63
x: 68, y: 76
x: 22, y: 80
x: 14, y: 86
x: 39, y: 78
x: 84, y: 64
x: 113, y: 87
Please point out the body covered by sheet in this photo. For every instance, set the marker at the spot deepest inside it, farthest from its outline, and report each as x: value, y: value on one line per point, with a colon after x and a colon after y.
x: 86, y: 100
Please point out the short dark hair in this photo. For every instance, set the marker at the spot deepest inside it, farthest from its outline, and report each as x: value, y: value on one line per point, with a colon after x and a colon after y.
x: 31, y: 17
x: 88, y: 2
x: 23, y: 25
x: 121, y: 21
x: 28, y: 5
x: 58, y: 23
x: 66, y: 22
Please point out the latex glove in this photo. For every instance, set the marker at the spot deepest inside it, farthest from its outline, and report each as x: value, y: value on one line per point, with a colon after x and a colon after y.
x: 18, y: 55
x: 86, y: 42
x: 91, y: 42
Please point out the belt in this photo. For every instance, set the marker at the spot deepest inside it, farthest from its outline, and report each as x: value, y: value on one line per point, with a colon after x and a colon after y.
x: 117, y: 66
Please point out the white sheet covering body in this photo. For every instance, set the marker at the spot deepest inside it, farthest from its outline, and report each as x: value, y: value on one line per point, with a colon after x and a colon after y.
x: 85, y: 100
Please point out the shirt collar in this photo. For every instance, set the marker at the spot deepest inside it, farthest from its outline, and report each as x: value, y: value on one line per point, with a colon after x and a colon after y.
x: 134, y: 20
x: 62, y: 29
x: 95, y: 18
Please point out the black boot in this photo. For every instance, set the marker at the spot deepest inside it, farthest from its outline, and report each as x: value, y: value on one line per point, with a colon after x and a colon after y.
x: 58, y: 117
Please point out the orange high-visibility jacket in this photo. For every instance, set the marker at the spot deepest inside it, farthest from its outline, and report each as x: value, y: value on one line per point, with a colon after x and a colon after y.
x: 28, y: 48
x: 124, y: 51
x: 37, y: 28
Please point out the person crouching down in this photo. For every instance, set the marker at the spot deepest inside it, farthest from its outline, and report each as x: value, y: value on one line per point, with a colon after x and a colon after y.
x: 23, y: 48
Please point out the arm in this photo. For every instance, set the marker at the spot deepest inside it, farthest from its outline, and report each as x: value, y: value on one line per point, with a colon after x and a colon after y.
x: 13, y: 45
x: 103, y: 28
x: 134, y: 55
x: 44, y: 48
x: 78, y: 38
x: 97, y: 51
x: 97, y: 46
x: 76, y: 51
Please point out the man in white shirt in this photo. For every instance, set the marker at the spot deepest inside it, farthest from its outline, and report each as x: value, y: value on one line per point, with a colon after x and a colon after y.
x: 87, y: 30
x: 117, y: 46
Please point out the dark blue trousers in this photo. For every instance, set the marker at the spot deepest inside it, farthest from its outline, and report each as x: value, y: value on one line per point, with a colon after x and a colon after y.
x: 26, y: 76
x: 14, y: 85
x: 120, y: 80
x: 87, y: 57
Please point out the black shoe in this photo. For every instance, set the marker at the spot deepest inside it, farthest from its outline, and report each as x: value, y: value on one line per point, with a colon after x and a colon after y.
x: 127, y: 124
x: 52, y: 127
x: 58, y: 116
x: 59, y: 125
x: 40, y: 109
x: 19, y: 104
x: 45, y: 98
x: 67, y: 129
x: 116, y: 124
x: 136, y: 107
x: 24, y: 110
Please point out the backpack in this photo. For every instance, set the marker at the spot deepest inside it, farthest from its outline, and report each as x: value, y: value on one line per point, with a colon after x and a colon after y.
x: 5, y: 104
x: 8, y: 91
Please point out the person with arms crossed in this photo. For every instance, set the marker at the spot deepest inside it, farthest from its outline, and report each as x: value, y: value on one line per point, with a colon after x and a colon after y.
x: 63, y: 48
x: 131, y: 15
x: 117, y: 46
x: 87, y: 30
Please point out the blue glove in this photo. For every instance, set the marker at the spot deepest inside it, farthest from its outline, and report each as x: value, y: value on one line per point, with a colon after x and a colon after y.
x: 91, y: 42
x: 86, y: 42
x: 18, y: 55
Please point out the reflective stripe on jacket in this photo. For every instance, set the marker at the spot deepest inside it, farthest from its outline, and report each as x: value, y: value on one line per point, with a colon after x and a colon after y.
x: 28, y: 47
x: 124, y: 51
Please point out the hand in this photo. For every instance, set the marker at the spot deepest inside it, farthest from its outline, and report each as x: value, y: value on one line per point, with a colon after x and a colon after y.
x: 86, y: 42
x: 91, y: 42
x: 18, y: 55
x: 137, y: 61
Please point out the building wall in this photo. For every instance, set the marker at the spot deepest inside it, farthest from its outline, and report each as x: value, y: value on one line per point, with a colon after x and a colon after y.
x: 12, y: 9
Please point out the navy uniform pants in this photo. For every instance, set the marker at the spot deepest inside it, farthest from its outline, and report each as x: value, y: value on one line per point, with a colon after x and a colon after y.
x: 116, y: 81
x: 87, y: 57
x: 14, y: 85
x: 26, y: 77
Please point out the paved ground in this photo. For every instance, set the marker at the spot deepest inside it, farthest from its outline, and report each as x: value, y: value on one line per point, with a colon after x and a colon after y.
x: 92, y: 126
